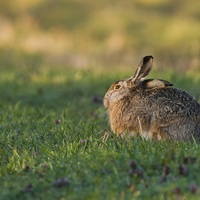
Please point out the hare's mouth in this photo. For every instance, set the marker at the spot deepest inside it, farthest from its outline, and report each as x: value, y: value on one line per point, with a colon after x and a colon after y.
x: 106, y: 102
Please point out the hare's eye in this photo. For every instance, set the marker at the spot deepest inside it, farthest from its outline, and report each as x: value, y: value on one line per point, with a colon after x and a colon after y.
x: 117, y: 87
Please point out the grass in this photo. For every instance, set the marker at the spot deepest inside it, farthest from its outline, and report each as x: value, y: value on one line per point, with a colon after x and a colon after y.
x: 55, y: 142
x: 106, y: 32
x: 57, y: 60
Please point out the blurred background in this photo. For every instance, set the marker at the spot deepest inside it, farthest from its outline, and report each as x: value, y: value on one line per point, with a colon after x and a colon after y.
x: 106, y: 33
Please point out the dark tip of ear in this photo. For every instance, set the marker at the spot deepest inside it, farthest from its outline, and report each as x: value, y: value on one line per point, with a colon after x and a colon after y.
x: 146, y: 59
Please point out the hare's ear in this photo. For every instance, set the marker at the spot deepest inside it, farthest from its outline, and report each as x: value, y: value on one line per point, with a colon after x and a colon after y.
x: 155, y: 83
x: 142, y: 70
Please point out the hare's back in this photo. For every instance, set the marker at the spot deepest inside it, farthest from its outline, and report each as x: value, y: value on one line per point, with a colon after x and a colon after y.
x: 175, y: 113
x: 174, y: 101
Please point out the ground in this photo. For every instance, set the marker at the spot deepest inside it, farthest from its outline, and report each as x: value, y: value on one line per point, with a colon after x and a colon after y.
x: 57, y: 60
x: 55, y: 141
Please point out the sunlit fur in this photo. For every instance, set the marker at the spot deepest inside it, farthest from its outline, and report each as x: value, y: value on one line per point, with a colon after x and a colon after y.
x: 152, y: 108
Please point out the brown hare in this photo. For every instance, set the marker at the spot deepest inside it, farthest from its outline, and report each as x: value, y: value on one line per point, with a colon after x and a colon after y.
x: 152, y: 108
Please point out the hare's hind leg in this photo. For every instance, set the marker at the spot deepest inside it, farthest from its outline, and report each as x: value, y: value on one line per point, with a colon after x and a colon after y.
x: 158, y: 136
x: 159, y: 133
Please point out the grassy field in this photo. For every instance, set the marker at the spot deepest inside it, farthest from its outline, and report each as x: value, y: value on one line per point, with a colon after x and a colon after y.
x: 82, y: 33
x: 55, y: 141
x: 58, y: 58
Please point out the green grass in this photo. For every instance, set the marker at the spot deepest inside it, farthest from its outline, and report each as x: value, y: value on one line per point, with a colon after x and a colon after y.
x: 55, y: 142
x: 57, y: 60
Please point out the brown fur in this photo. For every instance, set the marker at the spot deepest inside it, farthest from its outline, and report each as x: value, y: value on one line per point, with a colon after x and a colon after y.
x: 152, y: 108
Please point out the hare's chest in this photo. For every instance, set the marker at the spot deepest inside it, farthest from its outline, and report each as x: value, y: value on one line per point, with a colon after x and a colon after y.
x: 121, y: 120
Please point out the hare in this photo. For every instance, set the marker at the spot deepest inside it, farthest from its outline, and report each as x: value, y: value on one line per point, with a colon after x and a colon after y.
x: 152, y: 108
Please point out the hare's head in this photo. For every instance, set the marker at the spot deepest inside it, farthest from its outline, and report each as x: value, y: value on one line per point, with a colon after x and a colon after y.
x: 121, y: 89
x: 116, y: 92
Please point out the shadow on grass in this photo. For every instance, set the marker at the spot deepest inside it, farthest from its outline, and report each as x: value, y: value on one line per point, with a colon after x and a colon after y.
x: 80, y: 93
